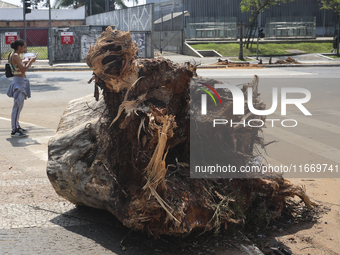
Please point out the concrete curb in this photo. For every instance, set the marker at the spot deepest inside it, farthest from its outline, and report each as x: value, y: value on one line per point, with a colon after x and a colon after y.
x: 211, y: 67
x: 270, y: 66
x: 303, y: 65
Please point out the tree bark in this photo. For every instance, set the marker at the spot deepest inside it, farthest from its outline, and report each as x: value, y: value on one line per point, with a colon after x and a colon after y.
x: 240, y: 56
x: 250, y: 32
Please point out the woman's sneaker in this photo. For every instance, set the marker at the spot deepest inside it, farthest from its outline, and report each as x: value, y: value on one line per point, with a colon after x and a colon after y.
x: 17, y: 133
x: 22, y: 130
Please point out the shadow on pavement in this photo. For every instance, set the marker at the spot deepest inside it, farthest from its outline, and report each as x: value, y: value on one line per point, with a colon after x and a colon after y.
x: 61, y: 79
x: 103, y: 228
x: 38, y: 84
x: 22, y: 142
x: 34, y: 88
x: 43, y: 88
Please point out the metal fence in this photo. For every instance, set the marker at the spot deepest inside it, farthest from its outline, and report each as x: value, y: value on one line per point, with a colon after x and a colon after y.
x: 220, y: 27
x: 176, y: 19
x: 291, y: 27
x: 168, y: 28
x: 171, y: 41
x: 169, y: 20
x: 214, y: 10
x: 36, y: 41
x: 138, y: 20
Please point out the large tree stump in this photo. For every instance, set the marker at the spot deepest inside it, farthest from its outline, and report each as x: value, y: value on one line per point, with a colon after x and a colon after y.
x: 128, y: 152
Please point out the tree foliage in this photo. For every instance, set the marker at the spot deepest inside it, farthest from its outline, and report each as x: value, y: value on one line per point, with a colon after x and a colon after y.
x: 255, y: 7
x: 98, y: 6
x: 35, y: 3
x: 331, y: 4
x: 335, y: 6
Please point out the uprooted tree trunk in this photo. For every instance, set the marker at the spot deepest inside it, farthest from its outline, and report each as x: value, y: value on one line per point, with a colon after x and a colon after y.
x: 127, y: 150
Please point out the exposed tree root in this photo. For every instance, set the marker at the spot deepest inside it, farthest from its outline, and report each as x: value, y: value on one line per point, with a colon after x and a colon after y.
x: 143, y: 142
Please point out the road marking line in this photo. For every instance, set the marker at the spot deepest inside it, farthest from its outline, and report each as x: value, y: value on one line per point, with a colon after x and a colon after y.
x: 321, y: 149
x: 320, y: 124
x: 330, y: 112
x: 27, y: 123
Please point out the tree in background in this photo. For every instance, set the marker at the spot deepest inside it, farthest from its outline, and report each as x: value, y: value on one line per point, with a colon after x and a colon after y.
x: 98, y: 6
x: 35, y: 3
x: 335, y: 6
x: 255, y: 7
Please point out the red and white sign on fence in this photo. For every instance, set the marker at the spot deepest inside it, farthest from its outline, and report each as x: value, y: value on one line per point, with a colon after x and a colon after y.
x: 66, y: 37
x: 10, y: 37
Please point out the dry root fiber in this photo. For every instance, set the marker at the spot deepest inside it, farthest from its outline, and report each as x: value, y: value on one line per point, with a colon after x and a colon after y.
x: 145, y: 141
x: 237, y: 64
x: 112, y: 59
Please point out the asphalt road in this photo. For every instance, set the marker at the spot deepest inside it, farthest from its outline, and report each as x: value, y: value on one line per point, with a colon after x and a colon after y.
x: 315, y: 140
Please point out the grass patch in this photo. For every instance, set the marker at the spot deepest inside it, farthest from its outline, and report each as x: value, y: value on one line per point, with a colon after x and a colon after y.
x: 232, y: 49
x: 43, y: 52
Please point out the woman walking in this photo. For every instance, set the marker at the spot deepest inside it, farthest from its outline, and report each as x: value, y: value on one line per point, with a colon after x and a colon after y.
x: 20, y: 88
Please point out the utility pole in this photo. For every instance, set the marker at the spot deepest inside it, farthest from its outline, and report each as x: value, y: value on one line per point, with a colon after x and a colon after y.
x: 107, y: 9
x: 24, y: 24
x: 90, y: 7
x: 50, y: 55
